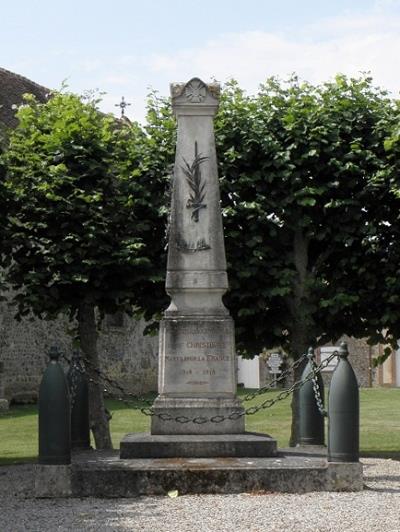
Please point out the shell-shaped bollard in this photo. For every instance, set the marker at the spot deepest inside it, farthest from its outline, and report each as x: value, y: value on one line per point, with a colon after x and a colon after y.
x: 312, y: 424
x: 79, y: 393
x: 344, y: 412
x: 54, y: 415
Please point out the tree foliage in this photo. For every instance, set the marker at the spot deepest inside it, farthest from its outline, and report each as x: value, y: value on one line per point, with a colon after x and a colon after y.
x: 302, y: 219
x: 310, y: 199
x: 299, y: 210
x: 384, y: 253
x: 85, y: 219
x: 298, y: 165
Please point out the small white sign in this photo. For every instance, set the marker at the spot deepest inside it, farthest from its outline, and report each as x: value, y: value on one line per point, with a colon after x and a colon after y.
x: 274, y: 363
x: 326, y: 353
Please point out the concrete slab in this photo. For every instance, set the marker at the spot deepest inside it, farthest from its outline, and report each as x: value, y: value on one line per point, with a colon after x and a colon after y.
x: 52, y: 481
x: 104, y: 474
x: 146, y: 445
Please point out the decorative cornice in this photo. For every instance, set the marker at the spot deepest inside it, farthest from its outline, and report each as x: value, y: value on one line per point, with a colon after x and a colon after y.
x: 195, y: 92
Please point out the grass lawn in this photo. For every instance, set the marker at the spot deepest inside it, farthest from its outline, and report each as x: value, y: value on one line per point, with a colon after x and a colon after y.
x: 380, y: 424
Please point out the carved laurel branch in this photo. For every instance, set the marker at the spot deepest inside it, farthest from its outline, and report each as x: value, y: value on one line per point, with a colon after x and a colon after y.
x: 193, y: 178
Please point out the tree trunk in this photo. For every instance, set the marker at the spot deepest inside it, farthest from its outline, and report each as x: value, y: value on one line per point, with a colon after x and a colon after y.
x: 300, y: 345
x: 99, y: 419
x: 301, y: 332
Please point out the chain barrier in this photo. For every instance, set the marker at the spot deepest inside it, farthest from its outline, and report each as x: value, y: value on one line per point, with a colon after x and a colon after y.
x: 268, y: 403
x: 102, y: 378
x: 316, y: 388
x: 271, y: 385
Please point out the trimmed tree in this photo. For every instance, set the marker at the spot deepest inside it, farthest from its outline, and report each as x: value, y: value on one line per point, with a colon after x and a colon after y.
x: 84, y: 219
x: 298, y: 165
x: 385, y: 249
x: 300, y: 214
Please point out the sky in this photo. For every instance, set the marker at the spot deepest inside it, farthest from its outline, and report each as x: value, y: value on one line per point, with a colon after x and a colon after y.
x: 124, y: 48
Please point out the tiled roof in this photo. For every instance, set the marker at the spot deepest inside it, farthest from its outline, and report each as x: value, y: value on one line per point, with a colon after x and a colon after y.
x: 12, y: 87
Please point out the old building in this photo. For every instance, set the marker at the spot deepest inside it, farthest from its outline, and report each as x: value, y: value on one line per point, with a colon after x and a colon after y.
x: 12, y: 88
x: 257, y: 372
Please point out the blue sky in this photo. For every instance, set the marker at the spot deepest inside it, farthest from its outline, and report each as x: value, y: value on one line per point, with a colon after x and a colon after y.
x: 124, y: 47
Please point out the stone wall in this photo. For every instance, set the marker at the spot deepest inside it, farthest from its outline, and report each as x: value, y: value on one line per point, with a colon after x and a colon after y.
x: 360, y: 357
x: 126, y: 354
x: 129, y: 356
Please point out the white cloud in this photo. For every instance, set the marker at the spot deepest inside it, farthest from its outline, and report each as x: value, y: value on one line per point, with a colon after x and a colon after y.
x: 351, y: 43
x: 348, y: 44
x: 118, y: 79
x: 91, y: 65
x: 110, y: 104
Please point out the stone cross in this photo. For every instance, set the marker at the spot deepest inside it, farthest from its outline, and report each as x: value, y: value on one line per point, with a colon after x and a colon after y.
x: 197, y: 359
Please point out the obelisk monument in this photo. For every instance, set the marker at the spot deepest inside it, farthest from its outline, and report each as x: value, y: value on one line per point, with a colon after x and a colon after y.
x: 197, y: 413
x: 197, y: 361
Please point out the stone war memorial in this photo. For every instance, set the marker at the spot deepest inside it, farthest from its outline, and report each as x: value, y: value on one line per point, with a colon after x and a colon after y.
x: 197, y: 441
x: 197, y: 359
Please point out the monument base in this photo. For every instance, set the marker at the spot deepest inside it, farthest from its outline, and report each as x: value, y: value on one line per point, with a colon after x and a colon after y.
x: 211, y: 415
x: 104, y: 474
x: 248, y: 444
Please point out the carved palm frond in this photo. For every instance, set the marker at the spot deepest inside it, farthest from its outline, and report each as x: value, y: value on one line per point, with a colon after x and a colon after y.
x: 193, y: 178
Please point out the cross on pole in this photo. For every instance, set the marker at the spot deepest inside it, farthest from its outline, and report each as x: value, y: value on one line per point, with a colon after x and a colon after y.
x: 122, y: 105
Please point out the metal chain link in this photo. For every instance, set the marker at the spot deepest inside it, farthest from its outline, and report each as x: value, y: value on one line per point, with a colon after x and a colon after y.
x: 285, y: 393
x: 268, y: 403
x: 272, y: 383
x: 103, y: 378
x: 316, y: 388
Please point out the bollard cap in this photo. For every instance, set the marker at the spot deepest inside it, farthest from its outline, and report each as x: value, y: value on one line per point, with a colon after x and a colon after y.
x: 343, y: 350
x: 54, y: 353
x: 310, y: 353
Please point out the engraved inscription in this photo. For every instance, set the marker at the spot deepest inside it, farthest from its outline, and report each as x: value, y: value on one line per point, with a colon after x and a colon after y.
x: 205, y: 358
x: 199, y: 358
x: 201, y: 345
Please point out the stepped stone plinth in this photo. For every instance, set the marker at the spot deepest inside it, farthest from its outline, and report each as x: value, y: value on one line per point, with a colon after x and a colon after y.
x: 104, y: 474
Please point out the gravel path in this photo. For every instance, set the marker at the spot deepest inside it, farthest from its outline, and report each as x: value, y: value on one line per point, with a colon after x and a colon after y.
x: 377, y: 508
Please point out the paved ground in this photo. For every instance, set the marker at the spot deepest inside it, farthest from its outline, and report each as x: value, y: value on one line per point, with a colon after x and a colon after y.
x: 377, y: 508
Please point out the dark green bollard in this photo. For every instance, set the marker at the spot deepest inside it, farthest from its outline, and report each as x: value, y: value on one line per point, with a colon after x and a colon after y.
x: 344, y: 412
x: 54, y: 415
x: 79, y: 392
x: 311, y: 420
